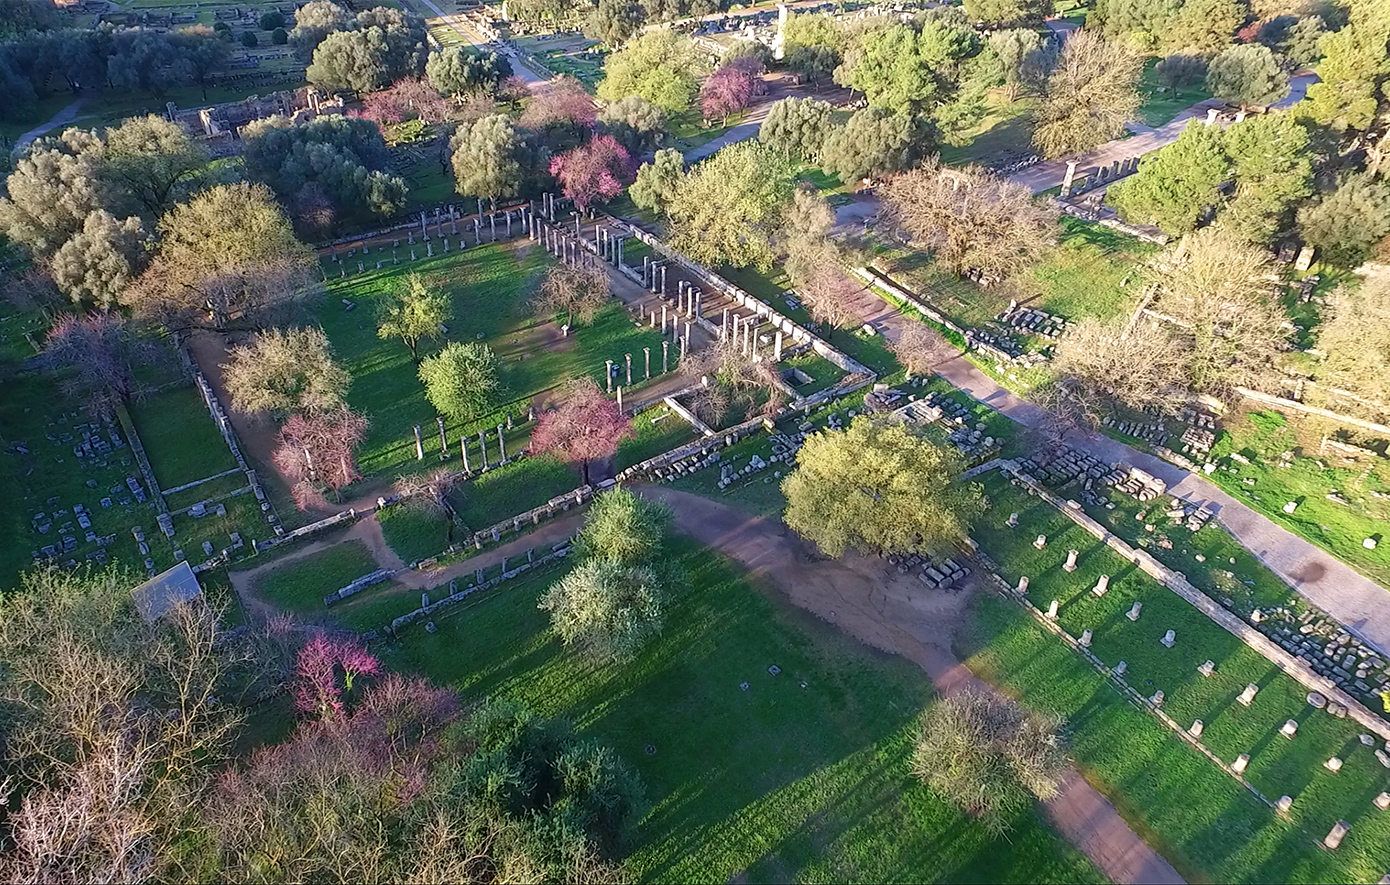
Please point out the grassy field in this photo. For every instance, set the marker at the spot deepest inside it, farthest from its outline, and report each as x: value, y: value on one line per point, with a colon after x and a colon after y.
x: 1210, y: 826
x: 654, y: 431
x: 1262, y: 437
x: 1161, y: 107
x: 1278, y: 766
x: 180, y: 439
x: 1004, y: 133
x: 300, y: 586
x: 801, y: 777
x: 490, y: 286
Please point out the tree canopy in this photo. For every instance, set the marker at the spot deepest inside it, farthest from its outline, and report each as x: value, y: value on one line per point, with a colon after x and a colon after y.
x: 1247, y: 75
x: 386, y: 45
x: 661, y: 66
x: 877, y: 486
x: 1174, y: 185
x: 283, y: 371
x: 461, y: 380
x: 414, y: 311
x: 1092, y: 92
x: 491, y: 158
x: 458, y: 69
x: 728, y: 208
x: 798, y: 127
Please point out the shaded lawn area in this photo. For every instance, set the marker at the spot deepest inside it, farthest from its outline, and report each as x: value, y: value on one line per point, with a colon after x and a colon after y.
x: 1209, y: 825
x: 1160, y: 108
x: 300, y: 586
x: 823, y: 372
x: 490, y: 288
x: 689, y: 131
x: 654, y: 431
x: 1005, y: 133
x: 179, y: 437
x: 1261, y: 437
x: 777, y: 783
x: 1278, y: 766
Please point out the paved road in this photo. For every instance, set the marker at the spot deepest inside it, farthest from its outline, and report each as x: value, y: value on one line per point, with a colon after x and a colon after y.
x: 742, y: 132
x: 1144, y: 140
x: 62, y: 118
x: 1359, y: 603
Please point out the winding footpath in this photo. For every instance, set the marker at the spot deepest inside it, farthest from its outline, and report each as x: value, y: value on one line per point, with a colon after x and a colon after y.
x: 1359, y: 603
x: 62, y: 118
x: 882, y: 609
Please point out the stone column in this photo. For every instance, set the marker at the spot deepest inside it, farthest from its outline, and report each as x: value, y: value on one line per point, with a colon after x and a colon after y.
x: 627, y: 358
x: 620, y: 399
x: 663, y: 318
x: 501, y: 445
x: 724, y: 325
x: 443, y: 439
x: 663, y: 279
x: 482, y: 444
x: 647, y: 357
x: 777, y: 347
x: 608, y: 375
x: 1211, y: 116
x: 620, y: 250
x: 463, y: 450
x: 665, y: 357
x: 419, y: 445
x: 1071, y: 560
x: 1070, y: 176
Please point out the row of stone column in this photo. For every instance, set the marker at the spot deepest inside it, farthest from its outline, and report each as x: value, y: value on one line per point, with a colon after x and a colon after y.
x: 743, y: 331
x: 463, y: 445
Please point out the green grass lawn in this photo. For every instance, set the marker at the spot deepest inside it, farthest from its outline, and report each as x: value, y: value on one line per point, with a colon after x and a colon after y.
x: 689, y: 131
x: 654, y: 431
x: 1210, y: 826
x: 515, y: 488
x: 1161, y: 107
x: 802, y: 777
x: 823, y: 372
x: 180, y: 439
x: 1004, y: 133
x: 413, y: 531
x: 300, y: 586
x: 1278, y: 766
x: 490, y: 288
x: 1262, y: 437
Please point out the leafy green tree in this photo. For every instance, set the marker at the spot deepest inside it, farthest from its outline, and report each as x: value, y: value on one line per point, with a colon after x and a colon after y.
x: 662, y: 66
x: 878, y: 487
x: 21, y: 16
x: 284, y: 371
x: 637, y: 124
x: 1302, y: 43
x: 1090, y: 95
x: 1021, y: 58
x: 315, y: 20
x: 491, y: 158
x: 608, y: 609
x: 153, y: 160
x: 1174, y: 185
x: 1354, y: 69
x: 1180, y: 70
x: 625, y: 528
x: 413, y: 312
x: 271, y: 20
x: 204, y: 53
x: 342, y: 158
x: 989, y: 756
x: 904, y: 70
x: 613, y: 22
x: 455, y: 70
x: 813, y: 45
x: 97, y: 263
x: 461, y: 380
x: 658, y: 181
x: 249, y: 39
x: 798, y: 127
x: 279, y: 37
x: 1356, y: 341
x: 1273, y: 173
x: 386, y: 46
x: 1007, y: 12
x: 54, y: 187
x: 1205, y: 26
x: 874, y: 142
x: 1139, y: 24
x: 1347, y: 222
x: 729, y: 207
x: 1248, y: 75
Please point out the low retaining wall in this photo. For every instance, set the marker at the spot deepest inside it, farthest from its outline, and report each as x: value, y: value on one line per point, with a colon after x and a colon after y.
x: 357, y: 586
x: 558, y: 552
x: 1178, y: 583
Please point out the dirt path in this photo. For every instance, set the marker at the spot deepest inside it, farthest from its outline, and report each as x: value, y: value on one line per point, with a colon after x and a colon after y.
x: 894, y: 613
x: 365, y: 531
x: 62, y: 118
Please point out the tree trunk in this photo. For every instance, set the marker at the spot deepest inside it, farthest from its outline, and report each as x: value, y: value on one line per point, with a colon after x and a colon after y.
x: 585, y: 468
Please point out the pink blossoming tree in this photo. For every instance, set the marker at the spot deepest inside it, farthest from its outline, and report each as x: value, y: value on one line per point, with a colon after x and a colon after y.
x: 586, y: 426
x: 317, y: 670
x: 727, y: 91
x: 594, y: 172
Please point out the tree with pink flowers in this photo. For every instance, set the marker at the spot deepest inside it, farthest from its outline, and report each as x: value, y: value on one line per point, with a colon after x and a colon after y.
x: 324, y: 672
x: 586, y: 426
x: 594, y: 172
x: 726, y: 91
x: 316, y: 452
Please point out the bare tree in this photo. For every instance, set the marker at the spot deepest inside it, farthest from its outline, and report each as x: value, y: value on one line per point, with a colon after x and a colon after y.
x: 1104, y: 363
x: 733, y: 380
x: 1222, y: 295
x: 103, y: 351
x: 1092, y: 92
x: 283, y: 371
x: 971, y: 218
x: 921, y: 348
x: 830, y: 295
x: 432, y: 492
x: 579, y: 292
